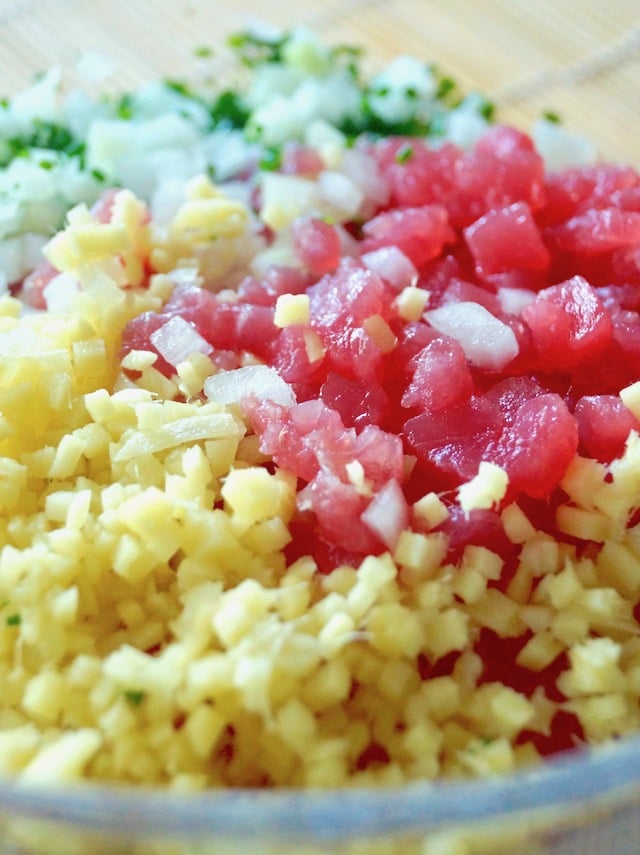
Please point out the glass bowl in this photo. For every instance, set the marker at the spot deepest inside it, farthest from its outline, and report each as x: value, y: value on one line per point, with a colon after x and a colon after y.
x: 586, y: 802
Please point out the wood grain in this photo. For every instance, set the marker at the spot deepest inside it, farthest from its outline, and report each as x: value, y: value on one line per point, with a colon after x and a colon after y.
x: 578, y: 58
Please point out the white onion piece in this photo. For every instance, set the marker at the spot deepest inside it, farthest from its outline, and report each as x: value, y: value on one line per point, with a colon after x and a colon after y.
x: 560, y: 148
x: 11, y: 259
x: 166, y: 199
x: 339, y: 192
x: 185, y: 276
x: 257, y: 381
x: 513, y: 300
x: 486, y: 341
x: 20, y: 254
x: 365, y: 173
x: 32, y: 245
x: 391, y: 264
x: 60, y: 292
x: 177, y: 340
x: 285, y: 197
x: 465, y: 127
x: 387, y: 514
x: 40, y: 102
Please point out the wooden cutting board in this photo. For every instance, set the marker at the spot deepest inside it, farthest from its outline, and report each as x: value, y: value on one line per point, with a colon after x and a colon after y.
x: 578, y: 58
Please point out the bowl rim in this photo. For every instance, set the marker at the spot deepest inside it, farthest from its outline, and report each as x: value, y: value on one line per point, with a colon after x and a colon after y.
x: 605, y: 777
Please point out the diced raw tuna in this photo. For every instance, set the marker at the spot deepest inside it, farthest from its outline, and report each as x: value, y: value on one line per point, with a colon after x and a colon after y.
x: 421, y: 233
x: 317, y: 244
x: 569, y: 325
x: 604, y: 425
x: 441, y: 378
x: 506, y: 239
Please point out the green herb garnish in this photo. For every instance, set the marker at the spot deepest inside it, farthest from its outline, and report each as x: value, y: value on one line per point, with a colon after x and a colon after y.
x: 14, y: 620
x: 404, y: 153
x: 373, y: 124
x: 253, y: 49
x: 43, y: 135
x: 447, y: 90
x: 228, y: 110
x: 271, y: 159
x: 124, y: 106
x: 348, y: 56
x: 486, y: 109
x: 134, y: 696
x: 179, y: 87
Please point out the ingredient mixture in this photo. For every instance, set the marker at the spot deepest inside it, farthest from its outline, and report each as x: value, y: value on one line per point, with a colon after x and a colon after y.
x: 319, y: 413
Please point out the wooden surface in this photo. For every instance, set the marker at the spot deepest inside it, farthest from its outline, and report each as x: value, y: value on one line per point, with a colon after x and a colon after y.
x: 579, y: 58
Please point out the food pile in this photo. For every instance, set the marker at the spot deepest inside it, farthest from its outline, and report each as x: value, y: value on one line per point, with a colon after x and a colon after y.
x: 319, y: 450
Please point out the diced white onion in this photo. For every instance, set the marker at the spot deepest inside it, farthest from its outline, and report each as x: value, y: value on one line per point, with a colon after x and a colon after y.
x: 365, y: 173
x: 486, y: 341
x: 513, y: 300
x: 11, y: 258
x: 339, y: 194
x: 258, y: 381
x: 405, y: 87
x: 285, y: 197
x: 391, y: 264
x: 185, y: 276
x: 387, y: 514
x: 60, y: 292
x: 560, y: 148
x: 19, y: 255
x: 465, y: 127
x: 177, y: 340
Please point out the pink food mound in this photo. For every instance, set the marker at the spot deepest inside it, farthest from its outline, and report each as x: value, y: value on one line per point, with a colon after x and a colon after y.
x: 488, y: 311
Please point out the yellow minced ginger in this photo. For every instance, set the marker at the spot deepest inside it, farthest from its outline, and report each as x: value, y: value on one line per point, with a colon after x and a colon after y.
x: 151, y: 630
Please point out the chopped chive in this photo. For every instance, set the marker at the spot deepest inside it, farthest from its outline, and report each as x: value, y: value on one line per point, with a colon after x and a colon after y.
x: 134, y: 696
x: 271, y: 159
x: 552, y: 116
x: 404, y: 153
x: 203, y: 52
x: 350, y: 57
x: 487, y: 109
x: 253, y: 49
x: 178, y: 86
x: 446, y: 85
x: 124, y: 107
x: 14, y: 620
x: 228, y: 110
